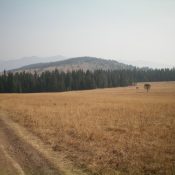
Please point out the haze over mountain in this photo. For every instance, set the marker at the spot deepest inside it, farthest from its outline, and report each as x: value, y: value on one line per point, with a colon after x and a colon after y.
x: 13, y: 64
x: 84, y: 63
x: 146, y: 63
x: 61, y: 62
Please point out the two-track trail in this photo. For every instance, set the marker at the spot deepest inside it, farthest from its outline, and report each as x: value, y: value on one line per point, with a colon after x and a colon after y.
x: 22, y: 153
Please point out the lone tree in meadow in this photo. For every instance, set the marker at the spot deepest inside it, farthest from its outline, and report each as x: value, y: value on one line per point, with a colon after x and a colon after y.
x: 147, y: 87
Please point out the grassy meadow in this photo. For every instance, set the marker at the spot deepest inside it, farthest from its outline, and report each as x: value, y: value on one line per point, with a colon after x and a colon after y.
x: 104, y: 131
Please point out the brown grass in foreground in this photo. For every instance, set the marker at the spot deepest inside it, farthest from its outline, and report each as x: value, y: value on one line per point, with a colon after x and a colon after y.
x: 106, y: 131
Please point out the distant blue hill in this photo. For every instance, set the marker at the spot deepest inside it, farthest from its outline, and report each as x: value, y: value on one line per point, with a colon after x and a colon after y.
x: 14, y: 64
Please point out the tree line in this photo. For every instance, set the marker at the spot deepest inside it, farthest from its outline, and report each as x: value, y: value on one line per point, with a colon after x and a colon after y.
x: 56, y: 81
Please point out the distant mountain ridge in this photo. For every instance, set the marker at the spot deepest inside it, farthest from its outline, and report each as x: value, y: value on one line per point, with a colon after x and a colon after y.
x: 14, y: 64
x: 83, y: 63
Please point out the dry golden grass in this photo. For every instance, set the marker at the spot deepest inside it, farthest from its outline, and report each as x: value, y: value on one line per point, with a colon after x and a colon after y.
x: 106, y: 131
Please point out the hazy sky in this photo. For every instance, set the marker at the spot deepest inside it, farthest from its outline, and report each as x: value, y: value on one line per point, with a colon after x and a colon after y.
x: 121, y: 29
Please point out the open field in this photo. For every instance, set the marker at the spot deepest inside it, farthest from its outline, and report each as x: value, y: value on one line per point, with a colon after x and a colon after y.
x: 104, y: 131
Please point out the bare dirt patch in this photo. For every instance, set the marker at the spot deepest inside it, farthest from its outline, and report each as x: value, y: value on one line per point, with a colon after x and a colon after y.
x: 19, y: 156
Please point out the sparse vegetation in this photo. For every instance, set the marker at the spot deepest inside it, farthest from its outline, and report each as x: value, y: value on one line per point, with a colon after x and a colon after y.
x: 147, y: 86
x: 73, y: 64
x: 109, y: 131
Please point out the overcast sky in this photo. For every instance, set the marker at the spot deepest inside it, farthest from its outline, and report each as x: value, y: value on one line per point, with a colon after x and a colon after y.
x: 120, y: 29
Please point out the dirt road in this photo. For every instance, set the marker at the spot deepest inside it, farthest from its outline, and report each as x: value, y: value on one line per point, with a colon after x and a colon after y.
x: 18, y: 156
x: 22, y: 153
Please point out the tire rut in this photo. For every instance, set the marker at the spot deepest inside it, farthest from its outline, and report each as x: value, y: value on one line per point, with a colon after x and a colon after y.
x: 20, y: 156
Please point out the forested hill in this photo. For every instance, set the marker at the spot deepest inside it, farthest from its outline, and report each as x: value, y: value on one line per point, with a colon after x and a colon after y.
x: 83, y: 63
x: 78, y: 74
